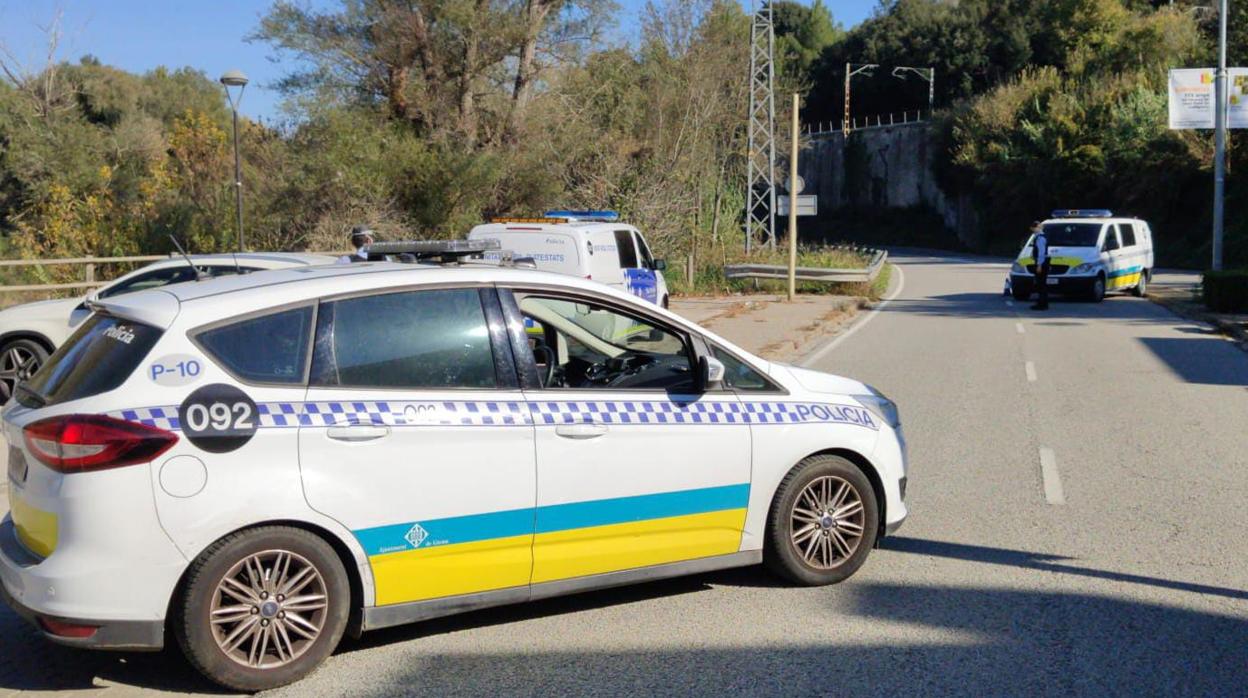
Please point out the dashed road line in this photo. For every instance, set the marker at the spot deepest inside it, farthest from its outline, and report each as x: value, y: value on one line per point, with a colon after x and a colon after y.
x: 1019, y: 326
x: 1053, y: 493
x: 1031, y: 372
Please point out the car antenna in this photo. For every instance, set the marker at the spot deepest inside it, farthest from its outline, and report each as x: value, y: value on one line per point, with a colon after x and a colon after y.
x: 185, y: 255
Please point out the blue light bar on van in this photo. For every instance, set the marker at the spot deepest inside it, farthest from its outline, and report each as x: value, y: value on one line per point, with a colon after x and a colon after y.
x: 608, y: 216
x: 1082, y: 213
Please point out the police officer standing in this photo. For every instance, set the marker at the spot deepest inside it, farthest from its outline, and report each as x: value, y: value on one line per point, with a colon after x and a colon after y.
x: 361, y: 237
x: 1040, y: 248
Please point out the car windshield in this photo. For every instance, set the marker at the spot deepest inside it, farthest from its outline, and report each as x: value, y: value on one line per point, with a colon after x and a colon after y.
x: 1072, y: 234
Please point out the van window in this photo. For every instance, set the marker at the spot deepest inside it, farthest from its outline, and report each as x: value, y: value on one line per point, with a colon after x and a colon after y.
x: 647, y: 260
x: 100, y: 356
x: 624, y: 245
x: 1127, y: 232
x: 415, y: 339
x: 283, y: 336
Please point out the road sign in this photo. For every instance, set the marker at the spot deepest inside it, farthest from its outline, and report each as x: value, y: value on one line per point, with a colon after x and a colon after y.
x: 800, y: 187
x: 807, y: 205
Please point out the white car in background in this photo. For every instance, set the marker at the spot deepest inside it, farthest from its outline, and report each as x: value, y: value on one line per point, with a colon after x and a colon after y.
x: 32, y: 331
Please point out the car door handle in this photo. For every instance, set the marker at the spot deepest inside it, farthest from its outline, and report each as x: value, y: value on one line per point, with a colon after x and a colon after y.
x: 357, y: 433
x: 581, y: 431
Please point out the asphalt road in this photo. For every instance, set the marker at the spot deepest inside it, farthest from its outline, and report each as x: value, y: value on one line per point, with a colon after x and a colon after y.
x: 1077, y: 527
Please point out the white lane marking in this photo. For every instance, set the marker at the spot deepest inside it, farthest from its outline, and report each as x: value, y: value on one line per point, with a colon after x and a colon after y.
x: 1019, y: 326
x: 1052, y: 479
x: 1031, y: 372
x: 820, y: 353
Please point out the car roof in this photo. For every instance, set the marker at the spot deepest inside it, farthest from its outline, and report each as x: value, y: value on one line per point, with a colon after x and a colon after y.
x: 1094, y: 219
x: 569, y: 227
x: 267, y: 260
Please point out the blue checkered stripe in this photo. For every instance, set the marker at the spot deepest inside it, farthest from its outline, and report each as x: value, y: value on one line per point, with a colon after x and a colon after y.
x: 544, y: 412
x: 160, y: 417
x: 700, y: 412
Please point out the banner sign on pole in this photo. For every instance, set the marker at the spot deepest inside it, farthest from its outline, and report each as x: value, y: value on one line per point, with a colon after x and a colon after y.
x: 1191, y: 98
x: 1192, y: 95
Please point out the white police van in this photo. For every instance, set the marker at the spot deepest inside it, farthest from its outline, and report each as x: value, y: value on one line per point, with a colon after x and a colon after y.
x: 259, y: 464
x: 589, y: 244
x: 1091, y: 253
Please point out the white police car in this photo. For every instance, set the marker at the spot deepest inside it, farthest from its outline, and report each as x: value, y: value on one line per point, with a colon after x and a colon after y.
x: 589, y: 244
x: 256, y: 465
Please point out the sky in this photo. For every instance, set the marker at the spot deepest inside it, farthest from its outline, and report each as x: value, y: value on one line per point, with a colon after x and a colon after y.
x: 209, y: 35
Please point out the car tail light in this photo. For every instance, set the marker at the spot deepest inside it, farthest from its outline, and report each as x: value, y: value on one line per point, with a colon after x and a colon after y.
x: 76, y: 443
x: 60, y: 628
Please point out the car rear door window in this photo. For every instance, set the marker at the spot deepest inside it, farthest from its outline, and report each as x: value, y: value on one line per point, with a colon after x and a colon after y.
x: 98, y: 358
x: 415, y: 339
x: 624, y: 245
x: 270, y: 348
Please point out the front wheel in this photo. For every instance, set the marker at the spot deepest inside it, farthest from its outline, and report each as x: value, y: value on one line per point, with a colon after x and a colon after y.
x: 263, y: 608
x: 1020, y: 294
x: 1097, y: 293
x: 823, y: 522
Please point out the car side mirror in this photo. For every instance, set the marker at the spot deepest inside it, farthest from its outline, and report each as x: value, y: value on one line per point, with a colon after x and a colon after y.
x: 710, y: 373
x: 660, y: 265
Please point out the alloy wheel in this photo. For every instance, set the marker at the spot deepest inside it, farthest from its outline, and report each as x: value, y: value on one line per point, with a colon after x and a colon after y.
x: 826, y: 524
x: 268, y: 609
x: 17, y: 364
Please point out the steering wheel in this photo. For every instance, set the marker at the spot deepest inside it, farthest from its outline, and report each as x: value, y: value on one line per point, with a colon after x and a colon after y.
x: 548, y: 357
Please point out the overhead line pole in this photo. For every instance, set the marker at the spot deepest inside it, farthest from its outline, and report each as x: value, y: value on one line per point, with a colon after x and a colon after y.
x: 1219, y: 158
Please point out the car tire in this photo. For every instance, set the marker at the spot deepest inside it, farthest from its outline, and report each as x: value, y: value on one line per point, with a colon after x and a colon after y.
x: 19, y: 359
x: 807, y: 542
x: 1097, y: 293
x: 222, y: 586
x: 1141, y: 288
x: 1020, y: 294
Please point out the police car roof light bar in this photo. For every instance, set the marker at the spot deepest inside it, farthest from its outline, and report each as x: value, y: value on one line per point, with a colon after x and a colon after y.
x: 424, y: 250
x: 1082, y: 213
x: 606, y: 216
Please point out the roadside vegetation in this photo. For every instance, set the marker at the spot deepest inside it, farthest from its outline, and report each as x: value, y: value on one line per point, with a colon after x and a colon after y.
x: 423, y: 118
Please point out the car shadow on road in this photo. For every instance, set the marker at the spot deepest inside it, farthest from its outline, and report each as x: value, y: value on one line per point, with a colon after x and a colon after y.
x: 957, y: 640
x: 950, y: 640
x: 1047, y: 563
x: 1063, y: 311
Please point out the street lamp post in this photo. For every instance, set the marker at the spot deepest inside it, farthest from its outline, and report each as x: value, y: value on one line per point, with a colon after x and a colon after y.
x: 235, y: 78
x: 851, y: 71
x: 1219, y: 152
x: 928, y: 74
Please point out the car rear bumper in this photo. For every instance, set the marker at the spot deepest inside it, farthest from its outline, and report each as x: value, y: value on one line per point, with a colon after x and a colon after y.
x: 19, y: 572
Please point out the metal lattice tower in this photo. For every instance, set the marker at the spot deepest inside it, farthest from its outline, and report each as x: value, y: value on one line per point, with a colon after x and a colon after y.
x: 760, y: 199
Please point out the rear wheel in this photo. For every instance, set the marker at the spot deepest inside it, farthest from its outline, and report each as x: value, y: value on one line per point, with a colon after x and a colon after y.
x: 19, y: 359
x: 823, y: 522
x: 1141, y: 289
x: 263, y: 608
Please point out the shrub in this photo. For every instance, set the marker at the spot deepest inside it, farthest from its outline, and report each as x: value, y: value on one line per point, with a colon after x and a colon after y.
x: 1226, y: 291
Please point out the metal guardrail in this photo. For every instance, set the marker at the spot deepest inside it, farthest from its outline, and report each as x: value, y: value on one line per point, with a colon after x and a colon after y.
x: 89, y: 264
x: 816, y: 274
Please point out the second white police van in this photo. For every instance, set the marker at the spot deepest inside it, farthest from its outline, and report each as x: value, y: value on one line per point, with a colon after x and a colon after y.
x: 256, y: 465
x: 1091, y: 252
x: 588, y: 244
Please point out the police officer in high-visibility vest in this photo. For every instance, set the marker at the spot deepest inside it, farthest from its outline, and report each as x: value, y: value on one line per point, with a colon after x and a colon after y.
x: 1040, y: 248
